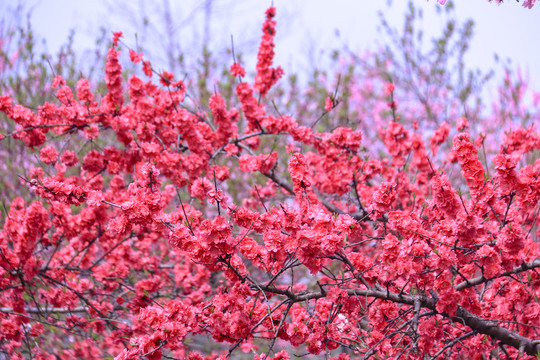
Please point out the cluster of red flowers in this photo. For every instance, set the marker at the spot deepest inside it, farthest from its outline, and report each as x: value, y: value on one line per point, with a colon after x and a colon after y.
x: 267, y: 76
x: 169, y: 237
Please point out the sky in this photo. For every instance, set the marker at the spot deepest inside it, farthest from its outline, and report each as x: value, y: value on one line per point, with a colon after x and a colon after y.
x: 305, y: 30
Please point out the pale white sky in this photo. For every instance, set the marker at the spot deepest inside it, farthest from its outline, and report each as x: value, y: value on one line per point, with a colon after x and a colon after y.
x: 305, y: 27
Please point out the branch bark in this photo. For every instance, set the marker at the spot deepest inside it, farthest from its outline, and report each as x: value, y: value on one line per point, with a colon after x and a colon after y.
x: 476, y: 323
x: 481, y: 279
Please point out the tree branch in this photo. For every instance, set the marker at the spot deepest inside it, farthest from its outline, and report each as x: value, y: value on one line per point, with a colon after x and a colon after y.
x: 476, y: 323
x: 481, y: 279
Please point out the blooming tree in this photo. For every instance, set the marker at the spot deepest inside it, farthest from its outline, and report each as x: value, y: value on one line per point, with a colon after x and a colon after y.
x: 526, y: 3
x: 26, y: 69
x: 172, y: 231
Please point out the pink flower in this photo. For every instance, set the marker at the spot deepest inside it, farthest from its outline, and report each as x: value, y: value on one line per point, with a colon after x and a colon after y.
x: 226, y: 120
x: 116, y: 36
x: 511, y: 239
x: 231, y: 149
x: 114, y: 99
x: 83, y: 92
x: 467, y: 157
x: 117, y: 225
x: 58, y: 81
x: 328, y: 104
x: 440, y: 136
x: 201, y: 187
x: 134, y: 56
x: 166, y: 78
x: 445, y: 200
x: 94, y: 198
x: 91, y: 132
x: 263, y: 163
x: 249, y: 163
x: 389, y: 88
x: 462, y: 124
x: 69, y: 158
x: 93, y: 161
x: 221, y: 173
x: 62, y: 191
x: 180, y: 235
x: 237, y: 70
x: 382, y: 199
x: 266, y: 75
x: 268, y: 161
x: 147, y: 68
x: 253, y: 111
x: 490, y: 261
x: 48, y: 154
x: 299, y: 172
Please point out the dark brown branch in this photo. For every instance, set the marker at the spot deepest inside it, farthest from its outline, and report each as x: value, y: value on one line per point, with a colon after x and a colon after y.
x: 44, y: 126
x: 452, y: 343
x: 481, y: 279
x: 281, y: 182
x: 476, y: 323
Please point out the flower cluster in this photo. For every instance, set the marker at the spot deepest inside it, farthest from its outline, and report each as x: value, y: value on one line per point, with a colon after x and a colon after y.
x: 266, y: 75
x: 172, y: 228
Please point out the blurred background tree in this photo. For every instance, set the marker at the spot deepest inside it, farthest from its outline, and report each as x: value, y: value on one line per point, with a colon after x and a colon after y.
x: 434, y: 83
